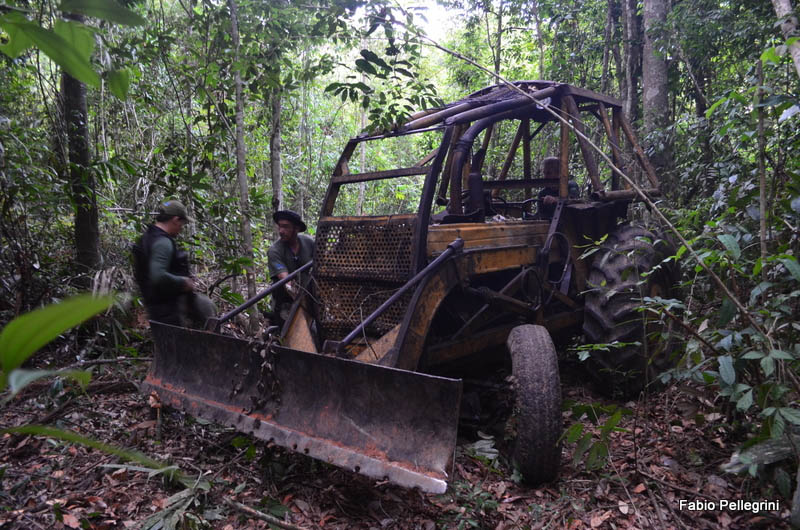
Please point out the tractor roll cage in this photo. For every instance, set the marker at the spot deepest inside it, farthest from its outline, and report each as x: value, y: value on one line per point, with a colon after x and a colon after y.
x: 462, y: 122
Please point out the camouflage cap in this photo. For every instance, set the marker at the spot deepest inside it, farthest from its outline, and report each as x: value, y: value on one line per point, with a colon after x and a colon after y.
x: 173, y: 207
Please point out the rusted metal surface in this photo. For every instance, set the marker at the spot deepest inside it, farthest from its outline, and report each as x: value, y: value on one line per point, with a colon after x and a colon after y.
x: 377, y: 421
x: 527, y: 173
x: 212, y: 324
x: 499, y: 108
x: 586, y: 150
x: 613, y: 140
x: 582, y: 95
x: 519, y: 184
x: 625, y: 194
x: 512, y: 152
x: 380, y: 417
x: 563, y: 166
x: 438, y: 116
x: 450, y: 351
x: 488, y: 235
x: 378, y: 175
x: 420, y: 243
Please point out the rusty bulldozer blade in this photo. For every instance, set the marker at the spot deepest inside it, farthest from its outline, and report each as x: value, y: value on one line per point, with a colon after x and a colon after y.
x: 378, y: 421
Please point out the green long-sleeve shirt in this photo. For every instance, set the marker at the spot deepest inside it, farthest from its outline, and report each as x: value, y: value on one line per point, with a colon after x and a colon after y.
x: 161, y: 279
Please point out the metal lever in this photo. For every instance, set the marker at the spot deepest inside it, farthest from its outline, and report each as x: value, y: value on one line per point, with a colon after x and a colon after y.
x: 453, y: 248
x: 213, y: 323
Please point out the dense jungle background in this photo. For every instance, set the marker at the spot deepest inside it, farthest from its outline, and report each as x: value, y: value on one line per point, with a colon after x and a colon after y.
x: 241, y: 107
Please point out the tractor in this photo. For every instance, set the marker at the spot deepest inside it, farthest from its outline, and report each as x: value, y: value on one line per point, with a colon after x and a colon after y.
x: 485, y: 262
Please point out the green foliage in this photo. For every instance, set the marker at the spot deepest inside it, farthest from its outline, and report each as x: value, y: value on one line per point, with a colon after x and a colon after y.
x: 108, y: 10
x: 24, y: 335
x: 397, y: 88
x: 755, y: 369
x: 592, y: 439
x: 69, y: 44
x: 475, y: 505
x: 63, y: 52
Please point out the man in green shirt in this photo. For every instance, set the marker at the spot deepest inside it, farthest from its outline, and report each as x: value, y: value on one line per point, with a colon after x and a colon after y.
x: 291, y: 251
x: 167, y: 286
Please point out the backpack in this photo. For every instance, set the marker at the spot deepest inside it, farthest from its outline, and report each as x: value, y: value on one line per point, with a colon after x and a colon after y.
x: 140, y: 260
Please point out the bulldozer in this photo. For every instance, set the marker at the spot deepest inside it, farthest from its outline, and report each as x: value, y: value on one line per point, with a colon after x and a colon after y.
x: 364, y: 372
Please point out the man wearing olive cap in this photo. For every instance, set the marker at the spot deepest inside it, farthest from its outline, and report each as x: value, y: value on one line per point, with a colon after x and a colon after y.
x: 163, y: 275
x: 291, y: 251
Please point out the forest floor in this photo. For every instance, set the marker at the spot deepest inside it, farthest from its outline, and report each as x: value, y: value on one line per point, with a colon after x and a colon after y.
x: 669, y: 450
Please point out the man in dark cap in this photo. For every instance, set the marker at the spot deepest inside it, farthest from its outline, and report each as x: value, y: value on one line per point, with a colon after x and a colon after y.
x: 291, y: 251
x: 162, y: 271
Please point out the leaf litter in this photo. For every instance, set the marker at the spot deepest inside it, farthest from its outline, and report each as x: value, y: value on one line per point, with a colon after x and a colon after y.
x: 652, y: 466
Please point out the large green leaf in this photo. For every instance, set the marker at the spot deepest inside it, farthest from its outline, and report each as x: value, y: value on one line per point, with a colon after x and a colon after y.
x: 792, y: 415
x: 19, y: 379
x: 118, y: 82
x: 78, y: 35
x: 790, y: 262
x: 103, y: 9
x: 125, y: 454
x: 726, y: 312
x: 713, y: 107
x: 61, y: 52
x: 29, y: 332
x: 746, y: 401
x: 731, y: 245
x: 18, y: 42
x: 726, y: 370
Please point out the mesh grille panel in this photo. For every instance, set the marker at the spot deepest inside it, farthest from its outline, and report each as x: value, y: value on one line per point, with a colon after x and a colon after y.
x: 358, y: 265
x: 365, y: 249
x: 346, y: 303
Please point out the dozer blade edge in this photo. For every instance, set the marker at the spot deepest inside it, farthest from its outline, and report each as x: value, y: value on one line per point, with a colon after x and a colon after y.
x: 382, y: 422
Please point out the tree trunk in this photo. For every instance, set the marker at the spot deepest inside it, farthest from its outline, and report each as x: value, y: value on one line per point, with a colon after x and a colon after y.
x: 82, y: 181
x: 362, y: 186
x: 655, y: 94
x: 783, y: 8
x: 762, y: 173
x: 632, y: 59
x: 275, y: 150
x: 362, y: 148
x: 539, y: 36
x: 497, y: 52
x: 607, y: 44
x: 498, y: 44
x: 241, y: 173
x: 617, y: 36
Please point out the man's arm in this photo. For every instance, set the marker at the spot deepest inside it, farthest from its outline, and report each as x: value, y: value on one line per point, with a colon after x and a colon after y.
x: 278, y: 269
x: 160, y: 277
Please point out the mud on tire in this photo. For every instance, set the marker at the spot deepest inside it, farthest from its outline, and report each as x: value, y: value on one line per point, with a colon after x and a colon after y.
x: 619, y: 280
x: 536, y: 420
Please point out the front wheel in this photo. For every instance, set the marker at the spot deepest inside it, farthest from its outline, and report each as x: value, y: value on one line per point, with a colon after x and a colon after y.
x: 536, y: 419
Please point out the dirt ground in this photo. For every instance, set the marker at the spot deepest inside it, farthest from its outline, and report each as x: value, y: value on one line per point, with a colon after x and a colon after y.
x: 668, y: 450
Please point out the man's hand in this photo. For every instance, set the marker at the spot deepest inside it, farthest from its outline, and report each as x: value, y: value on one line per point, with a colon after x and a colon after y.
x: 549, y: 199
x: 292, y: 289
x: 188, y: 285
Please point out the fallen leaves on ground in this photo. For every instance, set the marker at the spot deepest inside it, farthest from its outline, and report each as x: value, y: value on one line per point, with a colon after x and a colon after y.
x: 50, y: 484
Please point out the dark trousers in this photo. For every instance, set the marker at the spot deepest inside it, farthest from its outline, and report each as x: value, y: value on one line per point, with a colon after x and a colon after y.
x: 188, y: 310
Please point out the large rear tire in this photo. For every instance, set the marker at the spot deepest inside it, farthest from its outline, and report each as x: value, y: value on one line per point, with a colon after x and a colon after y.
x: 628, y: 267
x: 536, y: 419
